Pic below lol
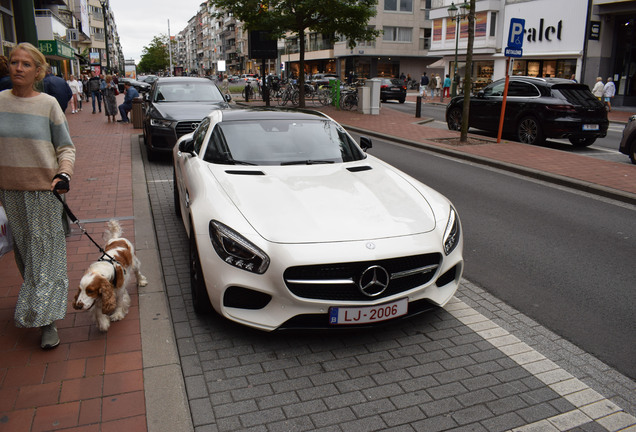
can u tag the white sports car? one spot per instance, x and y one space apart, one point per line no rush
293 225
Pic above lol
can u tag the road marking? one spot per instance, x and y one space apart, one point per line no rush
591 405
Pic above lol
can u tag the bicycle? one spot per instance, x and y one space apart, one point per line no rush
349 99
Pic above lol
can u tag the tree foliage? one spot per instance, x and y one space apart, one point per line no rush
155 57
345 19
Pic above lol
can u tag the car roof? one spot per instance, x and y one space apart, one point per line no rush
164 80
251 114
540 80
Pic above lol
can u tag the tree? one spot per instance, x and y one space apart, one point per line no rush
155 56
348 19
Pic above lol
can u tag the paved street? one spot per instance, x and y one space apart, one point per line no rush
476 364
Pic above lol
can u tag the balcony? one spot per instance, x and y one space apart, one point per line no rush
49 25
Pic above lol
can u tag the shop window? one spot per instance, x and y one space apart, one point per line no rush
493 24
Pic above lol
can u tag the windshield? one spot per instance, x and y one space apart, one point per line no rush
204 91
281 142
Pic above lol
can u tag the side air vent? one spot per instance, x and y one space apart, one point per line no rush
360 168
244 172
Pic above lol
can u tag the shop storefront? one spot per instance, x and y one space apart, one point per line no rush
60 56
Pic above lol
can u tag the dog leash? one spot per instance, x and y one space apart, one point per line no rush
76 221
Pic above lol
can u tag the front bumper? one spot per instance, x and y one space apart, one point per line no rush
268 303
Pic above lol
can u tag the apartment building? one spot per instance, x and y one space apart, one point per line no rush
74 35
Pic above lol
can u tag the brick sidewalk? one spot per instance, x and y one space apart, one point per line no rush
91 381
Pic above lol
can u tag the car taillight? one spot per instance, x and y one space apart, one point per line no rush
560 108
383 86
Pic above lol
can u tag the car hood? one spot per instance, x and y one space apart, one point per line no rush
326 203
185 110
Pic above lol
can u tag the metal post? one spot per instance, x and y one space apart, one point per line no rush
104 9
454 84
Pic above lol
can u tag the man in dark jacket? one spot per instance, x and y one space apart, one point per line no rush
58 88
93 89
131 93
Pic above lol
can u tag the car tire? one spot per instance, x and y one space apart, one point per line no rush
200 298
402 100
175 194
454 119
582 141
632 152
529 131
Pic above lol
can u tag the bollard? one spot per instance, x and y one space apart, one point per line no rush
418 107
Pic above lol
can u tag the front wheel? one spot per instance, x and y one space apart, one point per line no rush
582 141
529 131
454 119
200 298
632 152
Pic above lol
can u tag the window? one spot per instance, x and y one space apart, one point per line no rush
522 89
398 5
199 134
425 38
398 34
7 29
493 23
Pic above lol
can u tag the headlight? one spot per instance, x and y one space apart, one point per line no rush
451 234
160 123
236 250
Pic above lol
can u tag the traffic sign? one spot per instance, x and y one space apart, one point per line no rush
515 36
513 52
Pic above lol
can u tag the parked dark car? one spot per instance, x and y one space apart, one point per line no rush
536 109
392 88
628 142
142 87
175 107
147 78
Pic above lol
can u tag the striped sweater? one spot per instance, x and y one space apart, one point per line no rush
35 143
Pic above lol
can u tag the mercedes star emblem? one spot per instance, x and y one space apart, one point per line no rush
373 281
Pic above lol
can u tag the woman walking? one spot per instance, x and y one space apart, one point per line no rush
109 91
598 88
38 157
75 89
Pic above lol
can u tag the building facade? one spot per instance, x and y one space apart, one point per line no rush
74 35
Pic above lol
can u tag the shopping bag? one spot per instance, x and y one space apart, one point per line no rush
6 244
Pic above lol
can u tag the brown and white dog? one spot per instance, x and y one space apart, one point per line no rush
104 283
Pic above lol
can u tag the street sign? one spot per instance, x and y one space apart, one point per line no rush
513 52
515 36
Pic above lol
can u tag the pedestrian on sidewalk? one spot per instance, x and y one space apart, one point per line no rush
57 87
5 79
608 93
598 88
424 80
432 85
75 90
447 86
109 91
438 88
38 156
93 90
126 107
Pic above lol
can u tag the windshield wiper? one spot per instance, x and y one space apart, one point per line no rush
237 162
307 162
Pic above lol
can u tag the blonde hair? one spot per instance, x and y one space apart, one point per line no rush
36 55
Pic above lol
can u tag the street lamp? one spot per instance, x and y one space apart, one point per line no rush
104 4
452 13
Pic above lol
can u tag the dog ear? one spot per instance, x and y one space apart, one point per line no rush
109 300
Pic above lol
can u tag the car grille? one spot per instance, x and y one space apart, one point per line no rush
186 127
339 281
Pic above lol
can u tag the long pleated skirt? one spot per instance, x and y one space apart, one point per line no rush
39 244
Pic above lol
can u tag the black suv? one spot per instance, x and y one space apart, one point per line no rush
174 107
536 109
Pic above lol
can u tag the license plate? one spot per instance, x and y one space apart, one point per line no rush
368 314
590 127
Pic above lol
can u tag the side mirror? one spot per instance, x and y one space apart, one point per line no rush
365 143
228 97
187 146
480 94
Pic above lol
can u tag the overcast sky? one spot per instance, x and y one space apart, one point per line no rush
138 21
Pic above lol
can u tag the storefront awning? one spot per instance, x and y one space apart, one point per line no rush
439 64
57 50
